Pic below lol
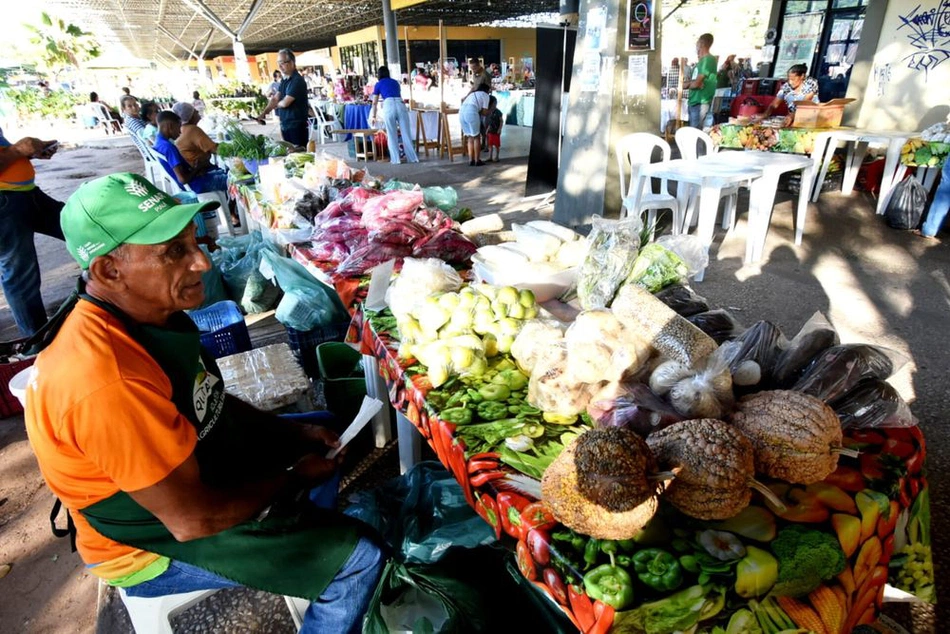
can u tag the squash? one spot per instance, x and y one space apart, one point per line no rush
796 437
714 466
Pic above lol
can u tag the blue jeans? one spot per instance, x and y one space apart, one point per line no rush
340 608
23 214
697 115
396 118
214 180
938 209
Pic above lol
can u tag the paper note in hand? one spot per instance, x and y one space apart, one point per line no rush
368 409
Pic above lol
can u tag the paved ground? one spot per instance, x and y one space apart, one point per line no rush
875 285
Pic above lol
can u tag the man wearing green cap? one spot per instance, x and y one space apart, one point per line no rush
162 473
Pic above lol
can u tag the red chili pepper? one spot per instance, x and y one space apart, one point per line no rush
914 486
605 618
903 495
525 563
486 455
485 506
582 607
887 549
482 478
866 436
537 515
539 546
557 588
871 465
510 506
454 458
474 466
915 463
897 448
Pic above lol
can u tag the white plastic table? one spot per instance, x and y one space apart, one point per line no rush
858 142
762 194
710 175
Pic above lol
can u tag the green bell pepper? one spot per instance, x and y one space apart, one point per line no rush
591 551
513 379
609 584
658 569
491 410
492 392
456 415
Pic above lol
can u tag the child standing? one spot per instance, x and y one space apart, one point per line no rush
493 123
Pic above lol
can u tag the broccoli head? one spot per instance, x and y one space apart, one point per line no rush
806 557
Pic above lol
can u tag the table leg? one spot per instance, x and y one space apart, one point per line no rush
927 177
763 193
376 388
829 152
892 170
686 197
855 158
410 443
822 141
708 206
808 174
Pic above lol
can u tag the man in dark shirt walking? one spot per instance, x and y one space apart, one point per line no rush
290 102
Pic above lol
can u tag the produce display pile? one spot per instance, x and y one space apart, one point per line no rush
657 466
928 150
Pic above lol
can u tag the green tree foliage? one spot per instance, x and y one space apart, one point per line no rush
61 44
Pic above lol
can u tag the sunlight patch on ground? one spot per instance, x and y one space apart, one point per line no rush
890 257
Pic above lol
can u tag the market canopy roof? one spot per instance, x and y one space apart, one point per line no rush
160 30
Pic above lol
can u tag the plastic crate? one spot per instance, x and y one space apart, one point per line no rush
10 404
304 344
223 329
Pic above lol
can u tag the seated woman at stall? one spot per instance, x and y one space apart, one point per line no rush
797 88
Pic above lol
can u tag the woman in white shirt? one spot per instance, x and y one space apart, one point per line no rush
473 107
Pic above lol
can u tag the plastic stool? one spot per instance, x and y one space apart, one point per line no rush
153 615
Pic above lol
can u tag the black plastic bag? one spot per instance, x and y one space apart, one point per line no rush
761 342
682 299
840 368
718 324
816 336
872 403
907 204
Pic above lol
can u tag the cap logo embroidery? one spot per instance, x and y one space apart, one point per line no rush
89 249
136 188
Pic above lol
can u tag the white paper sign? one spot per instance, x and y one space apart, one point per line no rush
368 409
378 284
637 75
590 72
595 37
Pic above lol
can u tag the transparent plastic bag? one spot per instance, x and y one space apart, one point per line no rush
599 348
683 300
657 267
702 393
445 198
638 408
419 279
816 336
840 368
552 388
213 283
762 342
536 337
689 248
872 403
613 248
539 245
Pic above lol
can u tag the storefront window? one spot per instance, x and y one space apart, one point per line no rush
805 6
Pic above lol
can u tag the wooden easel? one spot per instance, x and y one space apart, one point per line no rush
445 135
421 140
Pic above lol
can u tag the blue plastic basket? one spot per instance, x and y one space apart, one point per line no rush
304 344
223 329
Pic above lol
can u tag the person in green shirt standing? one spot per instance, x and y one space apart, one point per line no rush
702 85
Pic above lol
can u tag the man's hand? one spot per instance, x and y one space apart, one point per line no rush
29 147
315 434
313 468
49 149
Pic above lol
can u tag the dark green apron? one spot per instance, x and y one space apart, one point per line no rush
294 552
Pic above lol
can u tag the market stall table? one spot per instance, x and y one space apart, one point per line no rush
356 117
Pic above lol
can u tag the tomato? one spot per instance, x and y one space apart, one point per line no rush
539 546
537 515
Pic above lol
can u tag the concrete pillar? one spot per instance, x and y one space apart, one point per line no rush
604 105
392 40
240 62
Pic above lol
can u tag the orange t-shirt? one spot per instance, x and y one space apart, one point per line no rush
18 175
100 419
194 144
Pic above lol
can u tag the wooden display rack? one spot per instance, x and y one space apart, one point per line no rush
446 145
421 141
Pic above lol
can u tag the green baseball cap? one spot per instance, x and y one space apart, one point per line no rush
122 209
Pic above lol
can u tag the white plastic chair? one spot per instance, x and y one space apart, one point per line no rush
634 150
153 170
689 140
154 615
322 125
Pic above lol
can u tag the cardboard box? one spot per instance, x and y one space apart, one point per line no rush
819 115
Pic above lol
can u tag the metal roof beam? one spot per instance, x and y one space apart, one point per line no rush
169 35
251 14
210 16
204 49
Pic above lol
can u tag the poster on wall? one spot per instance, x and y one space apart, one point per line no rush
800 36
640 25
637 75
595 34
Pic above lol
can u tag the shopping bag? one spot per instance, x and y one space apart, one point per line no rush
906 205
